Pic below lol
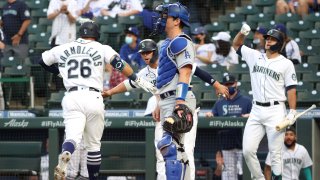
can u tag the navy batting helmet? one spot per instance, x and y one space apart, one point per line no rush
280 39
149 45
89 30
176 10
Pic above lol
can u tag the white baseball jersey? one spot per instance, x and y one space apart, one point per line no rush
292 50
81 63
269 77
229 60
293 161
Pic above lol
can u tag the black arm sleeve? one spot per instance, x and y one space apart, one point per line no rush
204 76
53 69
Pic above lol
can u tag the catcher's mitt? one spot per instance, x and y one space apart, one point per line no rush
181 120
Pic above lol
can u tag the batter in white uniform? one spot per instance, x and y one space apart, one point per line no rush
272 76
295 158
81 65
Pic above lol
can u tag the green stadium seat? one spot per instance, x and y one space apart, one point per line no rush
299 25
269 9
284 18
247 10
317 25
267 24
309 50
38 13
235 27
245 78
44 21
302 41
124 100
20 158
310 34
10 61
231 18
311 77
304 85
133 20
239 68
315 42
304 68
314 60
208 99
36 28
215 27
123 157
306 98
37 4
16 71
312 17
261 17
110 34
104 20
144 98
55 100
263 3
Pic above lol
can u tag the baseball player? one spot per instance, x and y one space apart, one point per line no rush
81 64
294 158
149 53
272 77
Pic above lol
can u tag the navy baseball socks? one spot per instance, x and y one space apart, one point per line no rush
93 164
67 149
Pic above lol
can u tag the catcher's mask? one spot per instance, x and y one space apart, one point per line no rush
176 10
181 120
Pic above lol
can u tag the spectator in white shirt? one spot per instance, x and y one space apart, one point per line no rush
122 8
204 50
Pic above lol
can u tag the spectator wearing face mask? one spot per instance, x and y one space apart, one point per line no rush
129 53
223 53
229 158
258 39
204 50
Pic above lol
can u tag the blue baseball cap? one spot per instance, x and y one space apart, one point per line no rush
199 30
228 78
281 27
262 30
132 30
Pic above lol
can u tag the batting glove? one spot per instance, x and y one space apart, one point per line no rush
146 85
245 29
290 116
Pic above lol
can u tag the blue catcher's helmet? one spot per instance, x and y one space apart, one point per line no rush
176 10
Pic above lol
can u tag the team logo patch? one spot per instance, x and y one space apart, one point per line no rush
294 77
26 13
118 65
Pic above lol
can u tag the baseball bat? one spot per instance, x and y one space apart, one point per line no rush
286 122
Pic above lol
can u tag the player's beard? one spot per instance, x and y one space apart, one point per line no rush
289 145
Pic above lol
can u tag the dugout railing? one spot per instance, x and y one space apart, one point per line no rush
307 130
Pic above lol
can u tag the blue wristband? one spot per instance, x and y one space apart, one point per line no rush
181 91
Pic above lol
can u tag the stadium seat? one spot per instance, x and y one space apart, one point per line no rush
245 78
263 3
317 25
311 77
239 68
304 86
208 99
144 98
124 100
104 20
36 28
310 34
312 17
302 41
269 9
299 25
315 42
127 21
110 34
231 18
37 4
267 24
314 60
10 61
44 21
215 27
304 68
247 10
309 50
306 98
16 71
284 18
261 17
38 13
55 100
20 158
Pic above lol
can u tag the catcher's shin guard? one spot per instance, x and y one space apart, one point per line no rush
175 169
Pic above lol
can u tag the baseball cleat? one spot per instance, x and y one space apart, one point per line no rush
61 169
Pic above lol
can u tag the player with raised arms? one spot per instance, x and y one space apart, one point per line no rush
81 64
272 76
